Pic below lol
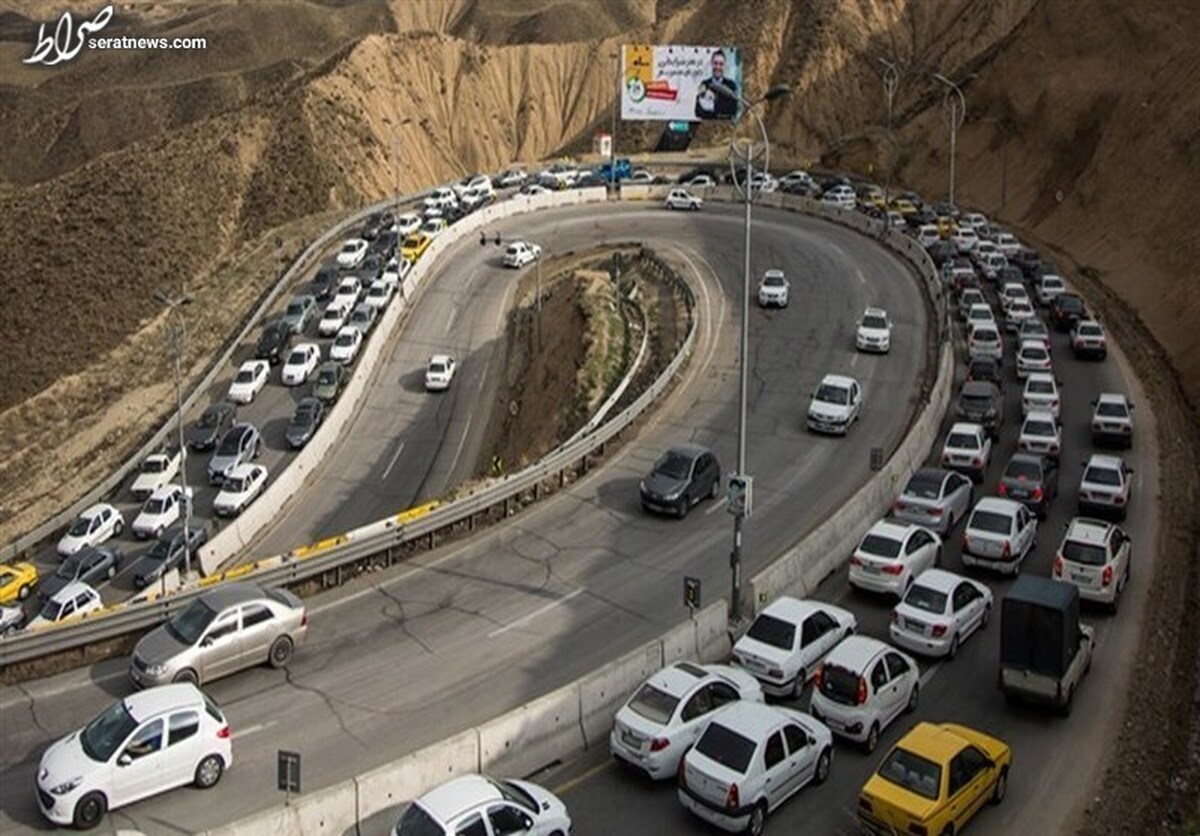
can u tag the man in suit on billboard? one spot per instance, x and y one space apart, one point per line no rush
714 104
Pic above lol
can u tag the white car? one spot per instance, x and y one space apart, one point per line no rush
749 761
441 198
559 176
1112 420
433 227
788 640
242 484
72 601
773 289
682 199
968 299
520 253
763 182
701 181
1041 394
835 405
928 235
1034 356
841 196
891 554
396 271
142 745
439 372
1049 286
352 253
975 220
1087 339
985 341
346 344
939 612
11 620
473 183
1000 534
934 498
983 249
348 291
1095 556
334 317
511 177
795 178
474 805
965 239
874 331
1008 244
981 314
380 292
1011 292
968 449
992 264
1106 486
406 224
93 527
162 510
301 362
863 686
249 381
157 469
1017 313
363 318
667 714
1040 433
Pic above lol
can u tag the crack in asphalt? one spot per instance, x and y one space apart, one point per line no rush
401 618
33 713
330 703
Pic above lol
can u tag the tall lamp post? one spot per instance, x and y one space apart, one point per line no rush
175 306
891 80
739 509
956 110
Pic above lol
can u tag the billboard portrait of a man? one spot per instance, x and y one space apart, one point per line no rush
714 104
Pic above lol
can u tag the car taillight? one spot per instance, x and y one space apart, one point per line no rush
1054 403
774 672
1126 429
966 542
304 619
854 561
935 512
893 569
939 630
224 733
895 617
1106 576
945 457
1002 489
1118 500
1007 549
1053 446
898 505
732 798
658 744
1058 565
976 461
861 697
817 678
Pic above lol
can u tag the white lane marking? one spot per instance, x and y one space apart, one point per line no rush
392 463
450 321
462 439
66 687
861 278
854 359
717 506
929 674
249 730
525 619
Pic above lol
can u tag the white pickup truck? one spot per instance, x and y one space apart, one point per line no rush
157 470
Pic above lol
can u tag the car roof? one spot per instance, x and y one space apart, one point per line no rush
965 427
458 795
1043 377
241 470
1040 415
1034 342
997 505
787 608
231 594
939 580
151 702
164 490
980 387
855 652
1104 460
1088 530
690 450
751 719
95 509
1112 397
838 380
891 529
71 590
932 742
874 312
679 678
1030 458
439 358
938 473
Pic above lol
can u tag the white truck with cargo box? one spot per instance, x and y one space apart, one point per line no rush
1045 650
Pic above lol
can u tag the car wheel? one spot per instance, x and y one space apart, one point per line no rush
281 652
953 647
914 698
948 830
823 762
209 771
758 819
186 675
23 592
89 810
683 507
872 741
716 489
1116 602
798 685
112 572
119 528
1001 788
987 615
1065 708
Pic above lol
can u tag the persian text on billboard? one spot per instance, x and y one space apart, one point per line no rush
680 83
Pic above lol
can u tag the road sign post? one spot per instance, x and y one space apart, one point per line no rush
289 774
691 594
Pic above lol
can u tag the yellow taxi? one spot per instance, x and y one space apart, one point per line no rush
17 580
934 780
414 246
872 196
904 206
946 226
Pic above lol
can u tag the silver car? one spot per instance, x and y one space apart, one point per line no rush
232 627
239 445
934 498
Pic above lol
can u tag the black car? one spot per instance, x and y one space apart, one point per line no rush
799 187
921 217
589 179
985 369
385 243
1032 480
371 267
1009 273
167 554
1025 260
274 343
324 283
91 564
981 402
371 227
211 425
1065 310
309 414
681 478
942 252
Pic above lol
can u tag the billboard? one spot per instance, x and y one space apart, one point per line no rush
677 83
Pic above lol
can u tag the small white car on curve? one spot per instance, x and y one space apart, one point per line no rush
773 289
1000 534
939 612
301 362
162 510
1105 487
92 527
862 687
353 251
840 196
346 344
1112 420
835 405
74 600
380 292
874 332
242 484
667 714
348 291
407 224
249 381
1095 556
788 640
519 253
439 372
157 469
682 199
891 554
334 317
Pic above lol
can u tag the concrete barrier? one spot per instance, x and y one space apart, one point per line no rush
328 812
603 692
401 781
712 632
532 736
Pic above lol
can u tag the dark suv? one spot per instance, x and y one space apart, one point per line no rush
980 402
1031 479
1065 310
681 478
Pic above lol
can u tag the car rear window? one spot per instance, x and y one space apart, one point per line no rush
1086 553
924 598
1040 387
653 704
773 631
879 546
991 522
726 747
963 441
912 772
839 684
1102 476
1021 469
1037 427
924 486
416 822
1111 410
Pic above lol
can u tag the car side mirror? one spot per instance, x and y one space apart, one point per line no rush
526 823
207 641
812 741
125 759
1130 470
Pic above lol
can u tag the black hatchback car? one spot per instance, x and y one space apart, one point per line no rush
308 416
324 283
985 369
167 554
211 425
682 477
274 343
1032 480
1065 310
91 564
980 402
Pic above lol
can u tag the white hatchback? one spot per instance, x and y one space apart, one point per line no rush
1040 433
1033 356
939 612
671 709
1041 393
968 449
788 640
1095 556
985 341
1000 534
682 199
475 805
94 526
863 686
891 554
142 745
301 362
74 600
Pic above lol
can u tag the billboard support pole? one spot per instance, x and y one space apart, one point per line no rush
612 140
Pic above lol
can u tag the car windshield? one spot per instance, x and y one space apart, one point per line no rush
976 398
350 247
990 522
298 358
1023 469
345 340
839 684
327 378
924 486
655 705
101 737
726 747
69 568
773 631
912 772
235 484
230 444
963 441
80 527
1040 387
416 822
1069 303
1036 426
877 545
210 418
1086 553
159 552
985 335
924 598
876 322
157 505
295 309
245 376
189 625
1090 330
1102 476
1112 410
770 280
1052 284
833 394
1034 352
514 793
674 466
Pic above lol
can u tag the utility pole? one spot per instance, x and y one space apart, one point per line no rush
956 109
891 80
174 306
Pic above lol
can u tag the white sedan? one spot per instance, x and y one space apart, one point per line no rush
334 317
348 292
380 292
407 224
157 470
968 449
787 641
835 405
301 362
1040 433
346 344
439 372
1033 356
242 484
249 381
441 198
939 612
433 227
93 527
162 510
773 289
671 709
1041 393
874 331
1000 533
352 253
520 253
891 554
682 199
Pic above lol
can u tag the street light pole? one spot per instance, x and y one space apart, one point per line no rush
956 106
891 80
174 306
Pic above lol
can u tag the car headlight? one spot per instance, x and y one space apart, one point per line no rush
66 786
155 670
674 495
